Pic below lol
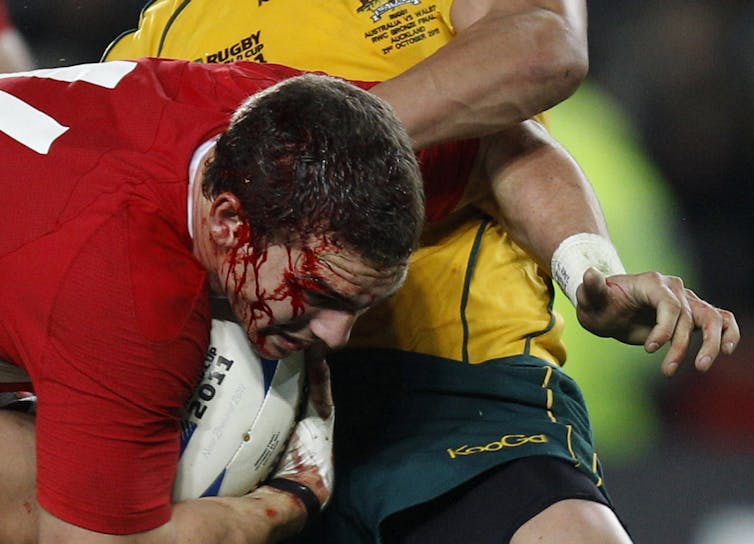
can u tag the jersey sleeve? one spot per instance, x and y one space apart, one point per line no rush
125 48
143 41
446 169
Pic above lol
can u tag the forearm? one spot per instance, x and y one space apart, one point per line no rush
509 61
264 516
542 194
268 514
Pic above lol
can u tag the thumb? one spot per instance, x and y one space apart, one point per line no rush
320 392
593 292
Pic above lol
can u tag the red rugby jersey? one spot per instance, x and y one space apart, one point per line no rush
101 300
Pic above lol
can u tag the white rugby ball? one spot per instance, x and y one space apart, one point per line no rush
239 418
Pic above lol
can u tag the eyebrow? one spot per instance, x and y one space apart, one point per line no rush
325 291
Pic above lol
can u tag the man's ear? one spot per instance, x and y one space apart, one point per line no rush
225 220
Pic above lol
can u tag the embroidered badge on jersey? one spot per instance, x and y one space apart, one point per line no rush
392 25
247 48
400 23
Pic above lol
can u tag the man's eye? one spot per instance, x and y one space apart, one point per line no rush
320 300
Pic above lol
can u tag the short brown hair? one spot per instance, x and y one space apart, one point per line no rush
316 155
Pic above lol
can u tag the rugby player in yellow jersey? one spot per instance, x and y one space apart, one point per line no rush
456 423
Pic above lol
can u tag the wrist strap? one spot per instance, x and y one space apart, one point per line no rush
304 494
577 253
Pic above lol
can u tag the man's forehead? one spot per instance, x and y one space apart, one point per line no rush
346 270
354 268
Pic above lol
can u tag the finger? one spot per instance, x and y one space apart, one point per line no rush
320 392
680 322
653 292
720 333
731 333
316 352
710 321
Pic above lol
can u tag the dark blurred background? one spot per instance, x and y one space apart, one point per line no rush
664 127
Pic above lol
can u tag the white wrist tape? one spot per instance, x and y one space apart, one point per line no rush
310 447
579 252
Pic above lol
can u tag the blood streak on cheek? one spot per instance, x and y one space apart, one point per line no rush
292 288
297 281
244 263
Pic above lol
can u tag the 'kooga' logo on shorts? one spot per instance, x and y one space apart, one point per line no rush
507 441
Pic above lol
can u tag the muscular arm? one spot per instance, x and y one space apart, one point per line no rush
510 60
543 197
273 515
542 194
264 516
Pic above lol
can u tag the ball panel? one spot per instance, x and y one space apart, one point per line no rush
238 421
268 434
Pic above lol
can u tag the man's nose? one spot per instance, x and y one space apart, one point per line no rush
333 327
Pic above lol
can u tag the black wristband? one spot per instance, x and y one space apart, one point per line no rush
306 495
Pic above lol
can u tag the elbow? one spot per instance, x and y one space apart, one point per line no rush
564 71
571 66
559 60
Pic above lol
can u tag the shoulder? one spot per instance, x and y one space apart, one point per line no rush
167 284
446 169
144 40
135 277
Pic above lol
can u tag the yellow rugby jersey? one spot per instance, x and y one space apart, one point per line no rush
471 294
358 39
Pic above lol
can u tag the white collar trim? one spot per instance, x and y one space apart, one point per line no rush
196 160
